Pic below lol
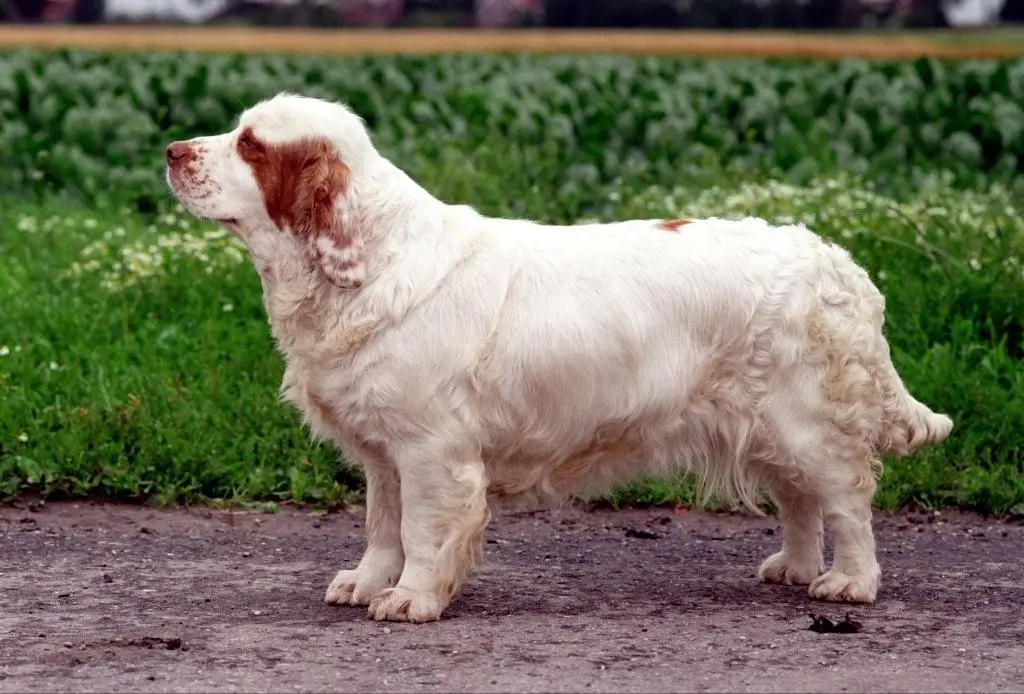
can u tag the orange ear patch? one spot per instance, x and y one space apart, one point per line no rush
336 248
301 183
673 224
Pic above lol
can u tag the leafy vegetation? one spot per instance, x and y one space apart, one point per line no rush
96 124
135 358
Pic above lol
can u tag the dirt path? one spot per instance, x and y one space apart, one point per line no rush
424 41
100 598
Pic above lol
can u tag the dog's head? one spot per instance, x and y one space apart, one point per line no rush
284 175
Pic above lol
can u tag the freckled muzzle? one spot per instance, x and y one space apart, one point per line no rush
183 171
190 182
181 160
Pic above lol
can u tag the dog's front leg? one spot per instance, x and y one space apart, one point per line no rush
383 560
444 513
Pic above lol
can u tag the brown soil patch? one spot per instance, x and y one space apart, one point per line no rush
427 41
112 598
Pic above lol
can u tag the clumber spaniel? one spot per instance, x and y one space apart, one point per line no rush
458 358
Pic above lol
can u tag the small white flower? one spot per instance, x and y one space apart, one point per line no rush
4 350
54 366
23 437
228 308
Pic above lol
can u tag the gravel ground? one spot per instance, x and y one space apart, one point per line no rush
105 597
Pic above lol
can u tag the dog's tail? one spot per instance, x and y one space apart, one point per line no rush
909 424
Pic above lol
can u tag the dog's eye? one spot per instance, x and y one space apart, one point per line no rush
248 145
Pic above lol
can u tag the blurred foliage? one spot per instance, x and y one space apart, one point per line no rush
93 125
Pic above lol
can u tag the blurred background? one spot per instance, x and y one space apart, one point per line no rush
710 14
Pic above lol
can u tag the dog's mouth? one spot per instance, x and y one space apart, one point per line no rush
183 190
232 225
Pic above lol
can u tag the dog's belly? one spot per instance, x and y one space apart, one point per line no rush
613 455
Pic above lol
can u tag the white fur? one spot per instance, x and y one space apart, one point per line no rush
501 358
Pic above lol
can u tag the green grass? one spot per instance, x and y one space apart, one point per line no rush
137 362
162 388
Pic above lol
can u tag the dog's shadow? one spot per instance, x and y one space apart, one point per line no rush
609 593
604 594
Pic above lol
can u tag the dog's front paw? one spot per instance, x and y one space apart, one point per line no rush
377 571
400 604
789 571
840 587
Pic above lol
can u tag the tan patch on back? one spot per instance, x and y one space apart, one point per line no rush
673 224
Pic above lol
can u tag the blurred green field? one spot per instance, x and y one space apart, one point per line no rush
135 358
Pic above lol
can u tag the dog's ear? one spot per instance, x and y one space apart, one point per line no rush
332 243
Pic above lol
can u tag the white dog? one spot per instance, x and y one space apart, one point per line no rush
456 357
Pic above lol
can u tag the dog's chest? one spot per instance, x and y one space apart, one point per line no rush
323 399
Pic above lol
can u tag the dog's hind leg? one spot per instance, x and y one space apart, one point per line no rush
800 560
